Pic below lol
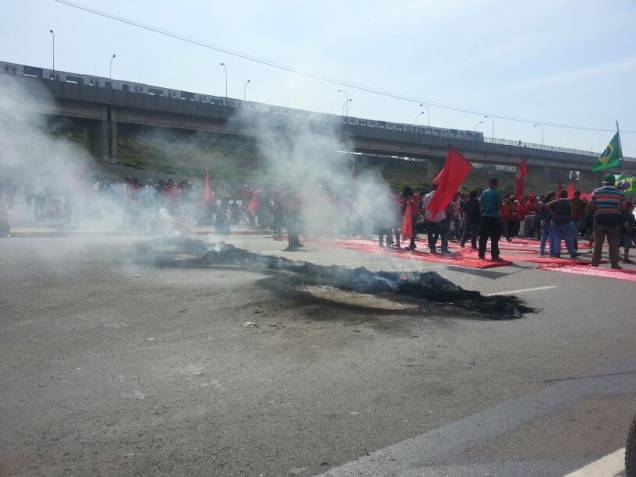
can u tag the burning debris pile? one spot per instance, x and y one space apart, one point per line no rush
428 286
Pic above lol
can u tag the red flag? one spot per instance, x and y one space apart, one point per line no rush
407 221
207 193
559 188
519 180
570 191
448 181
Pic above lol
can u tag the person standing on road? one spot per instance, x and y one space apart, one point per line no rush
562 225
472 219
545 224
578 215
607 220
409 216
437 225
490 224
628 227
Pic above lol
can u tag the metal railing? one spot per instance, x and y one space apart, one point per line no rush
543 147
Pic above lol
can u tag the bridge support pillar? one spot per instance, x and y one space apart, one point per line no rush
99 137
104 136
112 136
432 169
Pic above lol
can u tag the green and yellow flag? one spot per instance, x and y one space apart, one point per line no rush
625 183
611 157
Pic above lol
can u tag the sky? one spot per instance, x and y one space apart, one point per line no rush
556 61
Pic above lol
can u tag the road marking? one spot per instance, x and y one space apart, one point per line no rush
609 466
522 290
421 455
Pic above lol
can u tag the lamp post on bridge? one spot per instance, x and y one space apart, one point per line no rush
225 69
477 124
53 38
428 114
541 127
345 106
110 70
492 126
245 88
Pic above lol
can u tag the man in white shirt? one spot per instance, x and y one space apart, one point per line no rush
436 225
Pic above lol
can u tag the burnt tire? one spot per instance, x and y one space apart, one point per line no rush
630 451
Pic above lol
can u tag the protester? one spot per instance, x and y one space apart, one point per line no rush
39 190
292 207
607 220
545 224
472 219
628 229
506 215
437 225
562 225
409 215
490 222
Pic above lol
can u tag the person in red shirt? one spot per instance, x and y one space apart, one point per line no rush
506 215
520 216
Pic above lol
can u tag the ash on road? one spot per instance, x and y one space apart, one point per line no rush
109 367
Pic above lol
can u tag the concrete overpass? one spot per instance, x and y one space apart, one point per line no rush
103 107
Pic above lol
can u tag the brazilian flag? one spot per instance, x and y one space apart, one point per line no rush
611 157
625 183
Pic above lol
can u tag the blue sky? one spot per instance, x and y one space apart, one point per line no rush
560 61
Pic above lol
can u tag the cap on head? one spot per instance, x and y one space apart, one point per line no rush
609 179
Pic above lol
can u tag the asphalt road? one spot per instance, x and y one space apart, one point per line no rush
109 367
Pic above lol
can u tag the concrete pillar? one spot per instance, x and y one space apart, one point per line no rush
112 139
99 137
433 168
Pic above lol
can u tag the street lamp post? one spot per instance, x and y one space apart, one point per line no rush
428 114
245 88
477 124
541 127
110 70
492 126
346 103
53 37
225 69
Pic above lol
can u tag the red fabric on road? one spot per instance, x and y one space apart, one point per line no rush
457 258
629 275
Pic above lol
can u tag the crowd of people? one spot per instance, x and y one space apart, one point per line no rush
485 217
471 217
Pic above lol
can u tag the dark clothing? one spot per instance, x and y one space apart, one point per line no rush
544 215
612 232
472 211
578 209
471 229
562 211
490 229
438 230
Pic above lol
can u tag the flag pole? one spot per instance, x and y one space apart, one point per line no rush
620 145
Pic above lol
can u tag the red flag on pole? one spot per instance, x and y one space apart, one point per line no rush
448 181
570 191
520 179
207 193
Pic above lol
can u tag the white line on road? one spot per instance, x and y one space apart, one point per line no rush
609 466
522 290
